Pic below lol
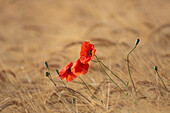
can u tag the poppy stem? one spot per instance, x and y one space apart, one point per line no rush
86 85
108 75
111 71
129 69
161 78
137 42
48 74
72 89
64 83
55 86
88 88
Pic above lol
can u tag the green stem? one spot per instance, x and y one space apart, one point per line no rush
66 88
75 95
162 81
88 88
129 69
111 72
55 85
72 89
53 81
65 85
108 75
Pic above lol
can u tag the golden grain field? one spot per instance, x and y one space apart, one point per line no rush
35 31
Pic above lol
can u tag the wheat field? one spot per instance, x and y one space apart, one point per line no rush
32 32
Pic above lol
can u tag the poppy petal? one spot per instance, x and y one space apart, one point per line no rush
80 68
65 70
85 59
70 77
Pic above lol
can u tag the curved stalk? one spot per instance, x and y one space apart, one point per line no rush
129 69
89 89
108 75
161 79
111 71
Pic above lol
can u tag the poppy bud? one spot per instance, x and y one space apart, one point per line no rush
46 64
73 101
156 69
47 74
57 71
137 41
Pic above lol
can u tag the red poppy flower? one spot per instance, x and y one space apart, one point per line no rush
80 68
67 73
87 52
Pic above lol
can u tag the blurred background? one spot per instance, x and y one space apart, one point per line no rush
34 31
29 30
